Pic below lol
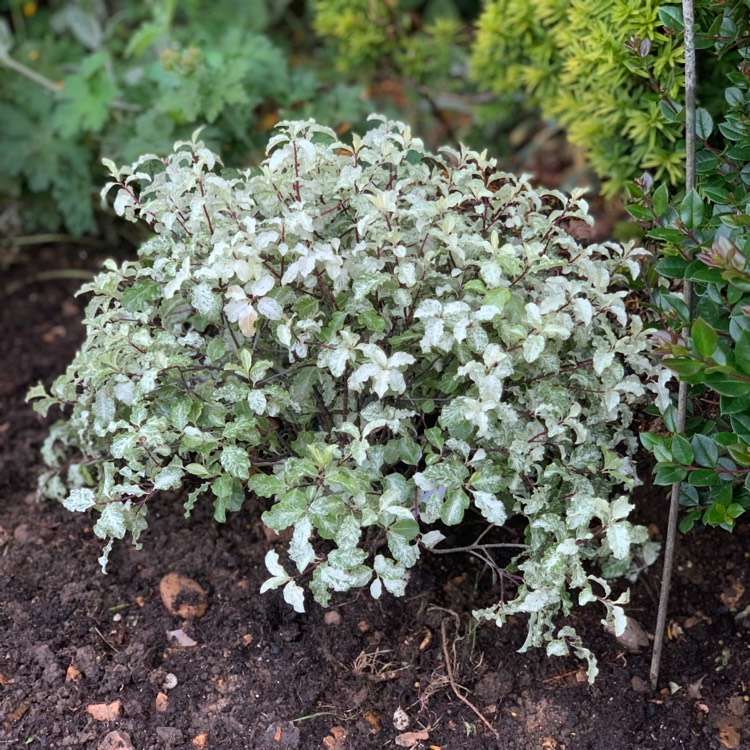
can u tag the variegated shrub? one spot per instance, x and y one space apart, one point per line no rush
375 341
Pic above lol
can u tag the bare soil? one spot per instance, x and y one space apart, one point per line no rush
86 660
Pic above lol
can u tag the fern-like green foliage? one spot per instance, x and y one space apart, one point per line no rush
580 62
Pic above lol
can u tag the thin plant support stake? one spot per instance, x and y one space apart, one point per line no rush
682 393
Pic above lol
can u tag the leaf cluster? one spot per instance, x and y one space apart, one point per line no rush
374 342
704 236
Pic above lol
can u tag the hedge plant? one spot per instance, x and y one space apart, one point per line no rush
704 237
373 343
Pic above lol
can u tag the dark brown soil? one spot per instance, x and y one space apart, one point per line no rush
261 676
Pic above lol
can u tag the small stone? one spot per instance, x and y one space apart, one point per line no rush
281 735
180 638
116 741
162 702
400 719
104 711
183 596
332 618
200 740
633 638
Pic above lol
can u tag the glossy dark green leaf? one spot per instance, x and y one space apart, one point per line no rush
729 386
735 510
672 18
651 439
688 521
682 451
734 96
689 495
739 454
640 213
672 266
703 478
667 474
699 271
660 200
704 124
705 162
666 234
742 352
741 426
683 367
729 405
706 451
407 528
704 338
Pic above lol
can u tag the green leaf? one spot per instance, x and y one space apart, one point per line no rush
435 436
742 352
452 511
682 366
672 18
735 510
688 521
489 479
672 267
661 200
286 512
372 321
667 474
345 479
706 450
640 213
265 485
407 528
198 470
705 338
734 96
170 477
704 124
136 297
728 386
682 451
703 478
651 439
691 209
229 499
741 426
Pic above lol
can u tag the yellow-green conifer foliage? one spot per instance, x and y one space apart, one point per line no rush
415 39
572 58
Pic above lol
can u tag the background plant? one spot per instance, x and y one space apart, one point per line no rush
576 62
81 79
704 239
379 340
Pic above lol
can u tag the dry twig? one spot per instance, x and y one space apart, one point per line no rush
452 680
